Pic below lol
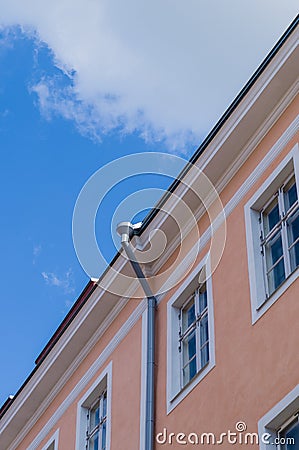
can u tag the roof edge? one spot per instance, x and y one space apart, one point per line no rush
220 122
82 299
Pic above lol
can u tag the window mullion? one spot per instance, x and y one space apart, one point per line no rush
280 445
181 350
101 408
284 234
100 437
263 252
88 421
197 332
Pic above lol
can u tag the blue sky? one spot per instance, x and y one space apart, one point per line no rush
67 111
44 165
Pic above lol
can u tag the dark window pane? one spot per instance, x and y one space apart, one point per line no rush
189 357
291 196
192 368
203 301
279 274
293 223
295 256
191 347
204 330
276 276
274 251
94 442
291 436
191 315
293 234
273 217
189 371
204 355
104 405
94 417
275 247
188 314
104 436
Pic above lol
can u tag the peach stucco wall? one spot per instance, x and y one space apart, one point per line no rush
253 362
256 365
125 382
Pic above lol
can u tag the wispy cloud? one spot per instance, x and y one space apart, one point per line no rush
166 70
36 252
65 282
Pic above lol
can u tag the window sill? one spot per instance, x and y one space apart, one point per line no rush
267 303
179 396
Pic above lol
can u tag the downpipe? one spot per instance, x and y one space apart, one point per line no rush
126 230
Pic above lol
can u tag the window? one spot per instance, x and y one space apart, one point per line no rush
190 334
96 429
272 235
288 434
279 236
194 334
52 444
279 428
94 414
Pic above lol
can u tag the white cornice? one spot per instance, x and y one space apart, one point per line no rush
230 173
248 101
206 158
257 138
273 153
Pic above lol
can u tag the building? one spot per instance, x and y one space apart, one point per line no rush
226 352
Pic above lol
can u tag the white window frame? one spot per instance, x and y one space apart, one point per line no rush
260 303
53 440
278 418
175 392
101 384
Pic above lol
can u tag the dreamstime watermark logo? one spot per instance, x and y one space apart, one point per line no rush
239 436
181 207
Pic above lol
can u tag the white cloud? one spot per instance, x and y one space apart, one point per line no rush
65 282
166 69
